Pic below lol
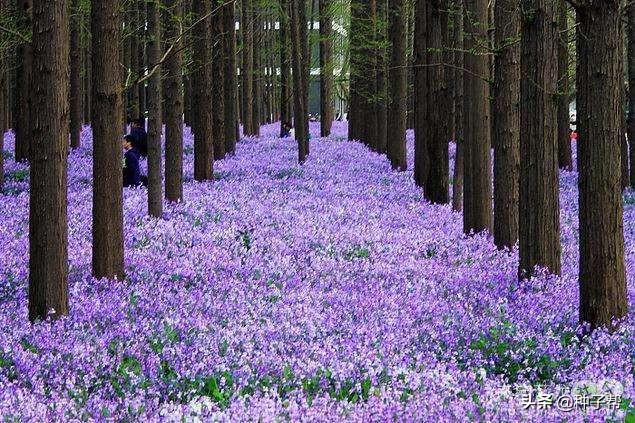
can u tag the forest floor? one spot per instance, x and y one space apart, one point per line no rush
323 292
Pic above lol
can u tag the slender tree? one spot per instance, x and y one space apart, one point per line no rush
135 66
457 42
326 68
88 74
218 82
477 188
48 226
23 87
431 101
76 95
247 69
256 75
230 85
202 78
631 91
381 83
506 129
396 132
285 65
603 294
174 105
564 142
155 190
106 120
300 59
539 225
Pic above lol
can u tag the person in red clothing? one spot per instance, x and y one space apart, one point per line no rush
574 135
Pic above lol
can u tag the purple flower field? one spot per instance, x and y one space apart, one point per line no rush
325 292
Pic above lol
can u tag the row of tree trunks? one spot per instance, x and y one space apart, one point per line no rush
505 134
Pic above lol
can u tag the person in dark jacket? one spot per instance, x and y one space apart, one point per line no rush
138 132
131 172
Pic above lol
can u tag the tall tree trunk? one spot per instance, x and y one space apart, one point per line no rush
506 130
230 83
539 225
300 59
4 103
362 120
247 71
142 61
603 294
432 101
381 102
256 114
218 70
135 68
23 89
477 189
396 130
285 66
48 226
203 137
564 140
76 95
174 106
326 68
457 42
107 167
88 77
155 124
631 90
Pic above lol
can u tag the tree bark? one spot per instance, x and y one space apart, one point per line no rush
477 188
76 95
603 294
381 84
23 88
202 79
155 124
142 61
564 140
88 77
174 106
457 179
285 66
506 133
257 34
107 165
326 68
247 67
230 83
218 71
135 68
396 130
631 91
300 59
539 225
431 101
48 226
